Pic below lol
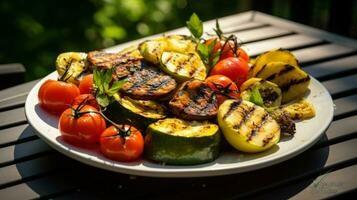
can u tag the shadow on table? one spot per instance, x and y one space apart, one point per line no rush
66 175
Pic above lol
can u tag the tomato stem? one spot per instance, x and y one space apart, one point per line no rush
225 90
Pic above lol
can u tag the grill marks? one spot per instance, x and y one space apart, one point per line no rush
293 82
105 60
287 69
194 100
148 83
251 121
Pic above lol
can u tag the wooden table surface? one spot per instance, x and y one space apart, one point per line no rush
30 169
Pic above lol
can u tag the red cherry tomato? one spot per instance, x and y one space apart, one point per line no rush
126 144
86 84
56 96
90 100
81 128
224 87
234 68
227 51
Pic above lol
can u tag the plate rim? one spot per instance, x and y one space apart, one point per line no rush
185 171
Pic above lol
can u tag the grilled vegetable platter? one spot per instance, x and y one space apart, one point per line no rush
178 99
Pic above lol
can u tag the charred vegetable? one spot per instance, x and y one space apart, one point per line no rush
105 60
287 125
272 56
139 113
74 64
292 81
247 127
300 110
183 67
261 92
194 100
152 50
178 142
148 83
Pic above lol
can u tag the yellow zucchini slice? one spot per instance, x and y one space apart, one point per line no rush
292 80
183 67
75 61
272 56
247 127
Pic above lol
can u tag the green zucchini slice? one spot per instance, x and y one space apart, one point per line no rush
178 142
183 67
139 113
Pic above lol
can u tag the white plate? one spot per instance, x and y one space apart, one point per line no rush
307 133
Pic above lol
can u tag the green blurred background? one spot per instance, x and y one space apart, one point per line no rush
35 32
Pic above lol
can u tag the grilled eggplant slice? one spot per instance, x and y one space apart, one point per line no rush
148 83
272 56
183 67
247 127
127 67
261 92
287 125
195 100
139 113
292 80
179 142
74 64
105 60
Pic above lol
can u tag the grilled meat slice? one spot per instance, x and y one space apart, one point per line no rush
148 83
195 101
105 60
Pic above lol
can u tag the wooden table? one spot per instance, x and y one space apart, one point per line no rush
29 168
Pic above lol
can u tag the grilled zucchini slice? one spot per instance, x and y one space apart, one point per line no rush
75 63
247 127
261 92
292 80
139 113
183 67
152 50
179 142
272 56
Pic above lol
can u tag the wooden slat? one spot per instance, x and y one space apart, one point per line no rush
340 130
16 134
235 185
12 117
329 69
15 101
286 42
9 93
229 29
31 168
321 52
41 187
260 34
345 105
18 152
325 186
340 85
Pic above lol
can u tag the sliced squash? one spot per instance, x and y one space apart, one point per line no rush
72 63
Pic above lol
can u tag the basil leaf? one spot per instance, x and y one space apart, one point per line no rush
211 46
195 26
255 97
115 87
203 50
102 100
97 78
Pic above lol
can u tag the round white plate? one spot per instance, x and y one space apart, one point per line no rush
307 133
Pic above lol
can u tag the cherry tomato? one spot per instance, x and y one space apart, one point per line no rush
86 84
56 96
234 68
122 144
227 51
224 87
89 98
80 127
